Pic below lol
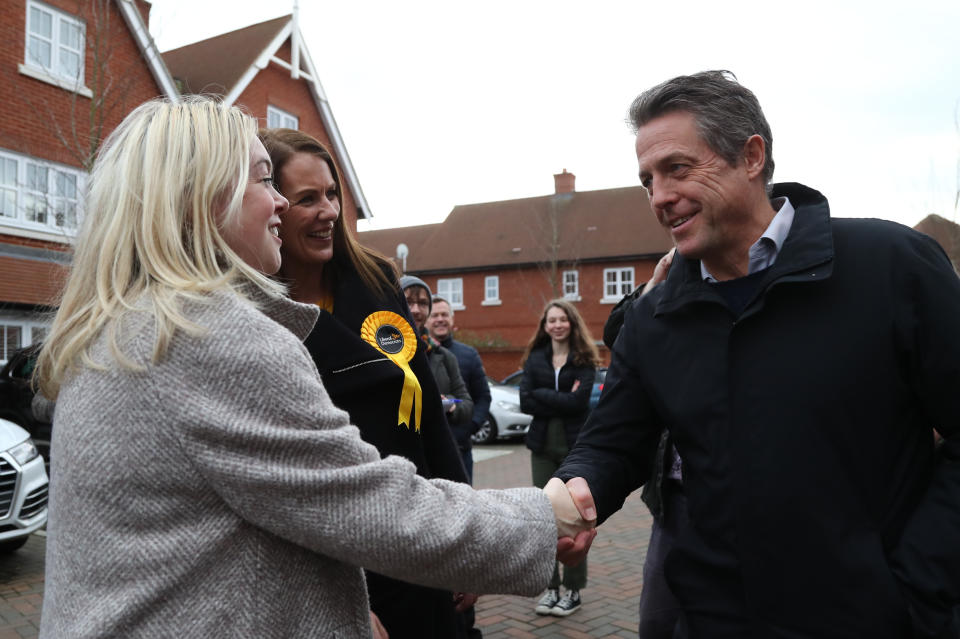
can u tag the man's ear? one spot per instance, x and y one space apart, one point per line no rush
754 155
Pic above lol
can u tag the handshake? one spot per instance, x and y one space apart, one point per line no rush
576 517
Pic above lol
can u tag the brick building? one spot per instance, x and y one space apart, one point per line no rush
500 262
70 70
267 69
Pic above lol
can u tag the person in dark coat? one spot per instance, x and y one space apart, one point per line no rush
663 495
800 363
559 366
440 324
367 351
446 373
444 366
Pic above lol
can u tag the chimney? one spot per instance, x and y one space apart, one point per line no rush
563 182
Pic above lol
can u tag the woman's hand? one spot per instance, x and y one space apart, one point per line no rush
660 270
379 632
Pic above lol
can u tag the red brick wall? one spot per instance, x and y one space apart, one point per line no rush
274 86
33 108
523 294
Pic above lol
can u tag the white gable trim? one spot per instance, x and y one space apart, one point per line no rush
320 98
148 49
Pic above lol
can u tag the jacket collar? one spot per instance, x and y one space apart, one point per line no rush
298 318
807 253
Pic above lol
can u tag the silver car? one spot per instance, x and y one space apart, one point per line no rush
505 418
23 487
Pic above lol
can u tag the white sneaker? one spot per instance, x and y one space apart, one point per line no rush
568 605
547 602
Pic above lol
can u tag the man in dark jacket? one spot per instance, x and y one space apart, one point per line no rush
440 324
800 363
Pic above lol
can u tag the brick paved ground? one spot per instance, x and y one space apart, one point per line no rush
613 581
21 590
610 599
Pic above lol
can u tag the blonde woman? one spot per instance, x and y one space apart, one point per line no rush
203 483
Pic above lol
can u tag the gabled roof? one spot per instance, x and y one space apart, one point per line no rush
588 226
148 49
216 65
945 232
228 63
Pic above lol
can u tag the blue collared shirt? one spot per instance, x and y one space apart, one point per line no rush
763 252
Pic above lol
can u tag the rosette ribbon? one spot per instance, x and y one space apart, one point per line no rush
393 336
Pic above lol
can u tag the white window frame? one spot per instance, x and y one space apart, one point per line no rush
280 119
491 291
27 325
571 286
621 284
451 289
55 72
57 207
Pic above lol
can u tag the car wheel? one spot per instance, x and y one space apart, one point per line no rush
12 545
487 433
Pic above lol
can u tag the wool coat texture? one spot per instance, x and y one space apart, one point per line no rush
219 493
819 506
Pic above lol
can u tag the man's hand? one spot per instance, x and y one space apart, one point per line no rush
464 601
576 517
379 632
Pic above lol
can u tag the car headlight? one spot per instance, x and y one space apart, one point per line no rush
509 406
24 452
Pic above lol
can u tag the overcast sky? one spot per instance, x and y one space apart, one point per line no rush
443 103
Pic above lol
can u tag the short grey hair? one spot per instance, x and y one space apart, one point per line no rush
726 112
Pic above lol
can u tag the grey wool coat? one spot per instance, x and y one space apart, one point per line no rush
219 493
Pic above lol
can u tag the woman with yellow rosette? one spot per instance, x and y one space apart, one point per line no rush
367 351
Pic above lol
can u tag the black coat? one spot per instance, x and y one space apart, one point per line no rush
805 423
471 369
538 397
363 382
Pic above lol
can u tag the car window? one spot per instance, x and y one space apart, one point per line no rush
513 379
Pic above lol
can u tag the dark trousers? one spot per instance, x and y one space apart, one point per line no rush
659 609
543 465
466 454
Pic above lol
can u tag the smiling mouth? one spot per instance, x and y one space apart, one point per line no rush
275 231
674 224
321 235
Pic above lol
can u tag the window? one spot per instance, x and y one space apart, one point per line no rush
55 43
17 331
571 285
280 119
617 282
452 291
491 290
38 195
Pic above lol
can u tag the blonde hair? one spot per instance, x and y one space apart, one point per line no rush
165 182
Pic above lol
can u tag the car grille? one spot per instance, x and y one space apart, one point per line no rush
34 503
8 486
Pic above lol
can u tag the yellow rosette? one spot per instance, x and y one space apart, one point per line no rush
390 334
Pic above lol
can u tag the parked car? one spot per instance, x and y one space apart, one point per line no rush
505 418
16 398
23 487
514 379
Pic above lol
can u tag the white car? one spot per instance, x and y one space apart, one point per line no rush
505 418
23 487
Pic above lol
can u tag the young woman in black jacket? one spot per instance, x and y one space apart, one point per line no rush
559 369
